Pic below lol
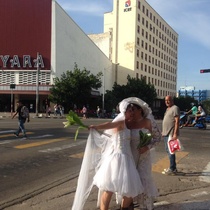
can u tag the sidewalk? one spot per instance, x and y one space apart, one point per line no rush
60 196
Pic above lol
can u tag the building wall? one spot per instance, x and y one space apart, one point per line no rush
143 44
72 46
26 30
40 30
199 95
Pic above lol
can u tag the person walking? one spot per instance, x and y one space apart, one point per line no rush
143 121
115 171
170 128
23 115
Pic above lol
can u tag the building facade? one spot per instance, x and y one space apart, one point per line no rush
39 45
199 95
142 43
43 42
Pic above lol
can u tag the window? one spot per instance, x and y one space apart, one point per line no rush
137 53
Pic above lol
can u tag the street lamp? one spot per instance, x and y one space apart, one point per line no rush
115 64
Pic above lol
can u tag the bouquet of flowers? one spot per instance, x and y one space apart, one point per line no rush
145 138
73 119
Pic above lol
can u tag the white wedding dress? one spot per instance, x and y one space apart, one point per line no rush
108 163
117 172
144 167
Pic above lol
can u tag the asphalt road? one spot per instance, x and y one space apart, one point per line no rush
51 157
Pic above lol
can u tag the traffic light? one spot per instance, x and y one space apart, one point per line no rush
205 71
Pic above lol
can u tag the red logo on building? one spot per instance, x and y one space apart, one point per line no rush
128 3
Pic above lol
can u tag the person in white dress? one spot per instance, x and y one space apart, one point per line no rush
108 164
143 119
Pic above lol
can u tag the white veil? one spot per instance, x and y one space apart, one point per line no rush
97 147
147 112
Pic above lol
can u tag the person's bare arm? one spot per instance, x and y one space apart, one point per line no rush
107 125
176 127
14 115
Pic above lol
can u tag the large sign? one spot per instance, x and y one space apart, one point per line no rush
25 62
25 30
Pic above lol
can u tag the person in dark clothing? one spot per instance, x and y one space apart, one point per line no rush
21 119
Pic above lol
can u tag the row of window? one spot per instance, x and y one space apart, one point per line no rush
155 20
158 53
154 40
155 72
157 62
26 78
156 32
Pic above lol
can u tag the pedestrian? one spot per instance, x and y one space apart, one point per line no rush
143 120
23 115
84 112
170 128
49 111
55 109
108 163
191 115
98 111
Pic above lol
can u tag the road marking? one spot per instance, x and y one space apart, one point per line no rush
8 131
206 174
199 194
36 144
164 162
78 155
42 136
49 150
11 134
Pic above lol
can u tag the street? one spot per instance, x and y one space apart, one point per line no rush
50 158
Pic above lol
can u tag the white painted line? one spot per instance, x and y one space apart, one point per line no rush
206 174
8 131
6 141
161 203
39 137
62 147
199 194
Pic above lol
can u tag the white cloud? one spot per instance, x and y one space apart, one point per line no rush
83 7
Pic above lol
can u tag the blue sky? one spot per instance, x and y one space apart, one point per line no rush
189 18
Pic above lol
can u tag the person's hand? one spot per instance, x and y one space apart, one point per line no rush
143 149
91 126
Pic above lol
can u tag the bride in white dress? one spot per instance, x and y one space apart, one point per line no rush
108 163
143 119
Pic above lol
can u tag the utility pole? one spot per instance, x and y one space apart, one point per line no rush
37 86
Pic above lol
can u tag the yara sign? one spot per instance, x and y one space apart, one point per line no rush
27 61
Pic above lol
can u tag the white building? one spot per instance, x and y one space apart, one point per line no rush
144 45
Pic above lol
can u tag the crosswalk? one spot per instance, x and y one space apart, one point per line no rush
7 137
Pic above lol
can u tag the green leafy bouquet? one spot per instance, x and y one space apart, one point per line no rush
145 138
73 119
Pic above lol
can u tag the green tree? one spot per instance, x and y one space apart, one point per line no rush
206 105
74 87
134 88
